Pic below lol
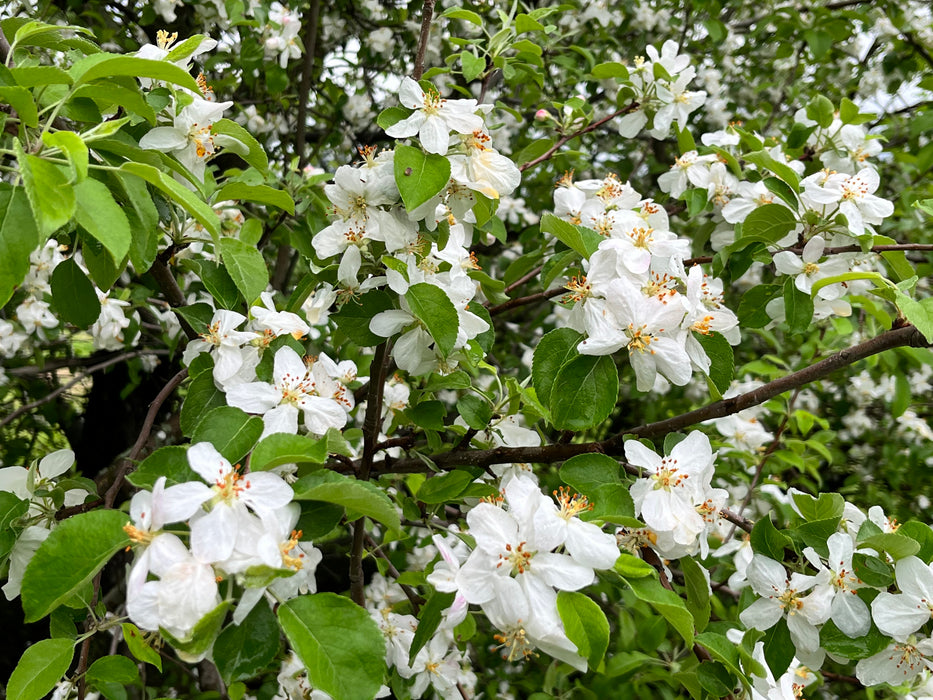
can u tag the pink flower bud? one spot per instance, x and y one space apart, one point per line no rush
542 115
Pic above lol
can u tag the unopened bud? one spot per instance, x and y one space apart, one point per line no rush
542 115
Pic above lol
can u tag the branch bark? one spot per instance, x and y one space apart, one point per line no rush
427 14
906 336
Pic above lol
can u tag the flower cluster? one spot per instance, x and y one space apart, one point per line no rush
239 523
636 294
514 572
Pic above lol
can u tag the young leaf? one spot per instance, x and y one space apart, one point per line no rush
246 267
42 665
584 392
338 642
433 307
362 497
73 295
585 624
18 238
68 559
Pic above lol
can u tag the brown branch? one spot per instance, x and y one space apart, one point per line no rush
523 301
52 366
569 137
525 278
173 294
548 454
427 14
371 424
304 89
111 495
65 387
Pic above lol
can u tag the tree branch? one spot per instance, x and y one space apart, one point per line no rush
370 437
905 336
65 387
569 137
427 14
304 89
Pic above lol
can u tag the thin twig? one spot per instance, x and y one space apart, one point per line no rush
65 387
427 14
111 495
569 137
523 301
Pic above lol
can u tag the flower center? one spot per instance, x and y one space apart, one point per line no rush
640 339
518 558
571 504
514 643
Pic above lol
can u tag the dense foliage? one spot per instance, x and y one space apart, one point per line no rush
371 349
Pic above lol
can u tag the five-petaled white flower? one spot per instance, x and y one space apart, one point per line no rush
434 118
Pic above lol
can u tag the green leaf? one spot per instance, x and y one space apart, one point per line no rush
202 213
256 193
763 159
246 266
112 669
779 648
722 650
42 665
170 461
362 497
86 70
585 624
216 280
338 642
428 621
419 175
798 307
584 392
73 295
472 65
34 76
143 218
103 218
610 69
670 605
919 313
255 154
698 593
242 651
553 351
445 487
436 311
465 15
18 238
138 646
769 223
892 543
391 115
203 395
630 566
475 411
872 571
69 143
826 506
230 430
106 94
722 360
922 533
752 306
68 559
578 238
20 99
833 640
51 197
598 477
821 110
767 540
354 317
281 448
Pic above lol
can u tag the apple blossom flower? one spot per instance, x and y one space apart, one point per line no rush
782 595
190 137
295 389
434 118
898 663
